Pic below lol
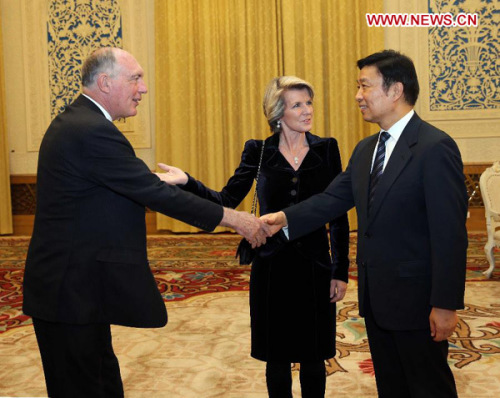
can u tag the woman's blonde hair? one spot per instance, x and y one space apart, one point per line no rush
274 103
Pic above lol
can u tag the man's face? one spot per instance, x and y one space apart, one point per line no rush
376 103
127 87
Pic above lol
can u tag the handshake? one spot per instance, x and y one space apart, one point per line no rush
255 230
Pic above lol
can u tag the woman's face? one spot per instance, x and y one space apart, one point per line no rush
299 111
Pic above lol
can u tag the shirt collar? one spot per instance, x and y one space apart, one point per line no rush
104 111
398 127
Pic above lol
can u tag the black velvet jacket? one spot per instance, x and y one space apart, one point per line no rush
280 186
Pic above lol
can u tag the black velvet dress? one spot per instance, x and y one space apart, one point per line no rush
292 318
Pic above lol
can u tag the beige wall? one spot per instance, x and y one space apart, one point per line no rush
24 27
477 134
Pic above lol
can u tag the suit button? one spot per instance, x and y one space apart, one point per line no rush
366 235
294 180
293 192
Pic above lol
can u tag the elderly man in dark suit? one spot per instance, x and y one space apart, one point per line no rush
408 188
87 263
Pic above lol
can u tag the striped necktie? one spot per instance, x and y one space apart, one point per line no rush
378 165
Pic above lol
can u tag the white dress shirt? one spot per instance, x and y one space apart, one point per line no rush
394 132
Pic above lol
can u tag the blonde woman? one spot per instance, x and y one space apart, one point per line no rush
294 285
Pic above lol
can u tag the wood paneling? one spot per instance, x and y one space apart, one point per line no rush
23 188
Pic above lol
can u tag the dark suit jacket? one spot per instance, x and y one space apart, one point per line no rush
87 260
280 186
412 246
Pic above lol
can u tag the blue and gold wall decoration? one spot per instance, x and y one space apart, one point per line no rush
74 29
464 62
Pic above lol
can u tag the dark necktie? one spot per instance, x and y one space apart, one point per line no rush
378 165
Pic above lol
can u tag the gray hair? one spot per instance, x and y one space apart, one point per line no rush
102 60
274 103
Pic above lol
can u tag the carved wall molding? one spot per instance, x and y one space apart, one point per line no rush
74 30
23 188
56 36
464 72
457 68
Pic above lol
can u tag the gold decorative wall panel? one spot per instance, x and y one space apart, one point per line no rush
458 70
463 62
43 68
459 75
74 30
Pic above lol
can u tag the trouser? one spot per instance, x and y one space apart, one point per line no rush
312 379
78 360
408 363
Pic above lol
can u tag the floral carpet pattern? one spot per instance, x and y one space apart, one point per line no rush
190 268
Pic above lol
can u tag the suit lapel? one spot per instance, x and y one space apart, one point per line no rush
400 157
312 159
273 158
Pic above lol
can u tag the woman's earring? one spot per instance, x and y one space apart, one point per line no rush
278 125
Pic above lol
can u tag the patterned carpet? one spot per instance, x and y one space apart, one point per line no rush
206 292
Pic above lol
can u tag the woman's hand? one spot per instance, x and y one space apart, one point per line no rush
173 175
337 290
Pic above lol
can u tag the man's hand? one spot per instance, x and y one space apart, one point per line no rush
276 221
337 290
173 175
247 225
443 323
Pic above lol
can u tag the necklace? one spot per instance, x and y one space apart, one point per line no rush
295 157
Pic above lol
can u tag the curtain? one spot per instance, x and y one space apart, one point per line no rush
215 57
5 203
213 60
322 40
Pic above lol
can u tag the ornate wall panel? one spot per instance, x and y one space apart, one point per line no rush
56 36
458 69
74 30
464 63
460 85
